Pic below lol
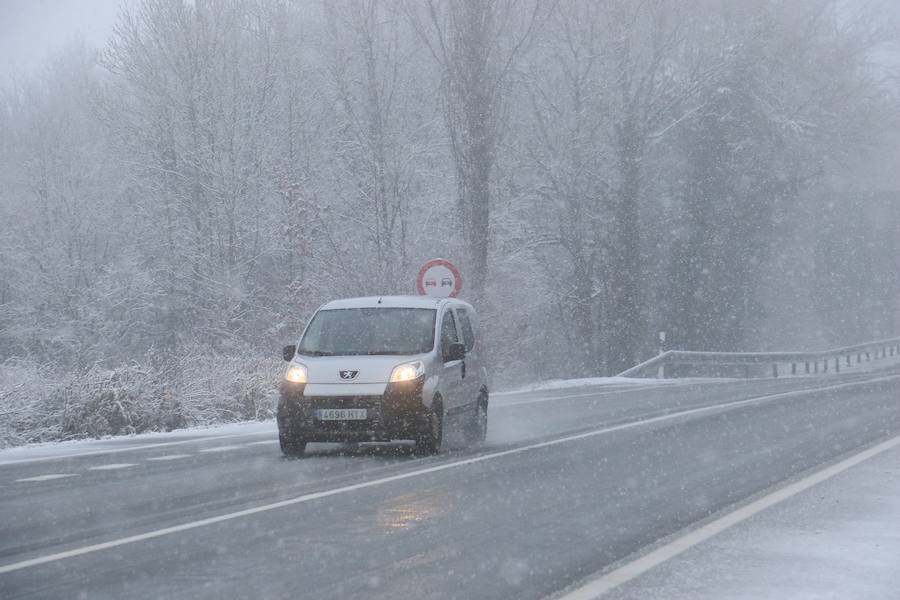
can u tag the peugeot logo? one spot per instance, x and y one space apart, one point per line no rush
349 374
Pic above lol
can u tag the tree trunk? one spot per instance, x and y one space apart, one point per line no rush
625 307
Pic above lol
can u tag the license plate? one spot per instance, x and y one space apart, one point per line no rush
341 414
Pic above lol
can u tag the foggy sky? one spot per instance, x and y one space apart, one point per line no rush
30 30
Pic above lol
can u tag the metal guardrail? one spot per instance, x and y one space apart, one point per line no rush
810 362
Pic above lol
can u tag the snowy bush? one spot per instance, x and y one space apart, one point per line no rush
215 389
40 404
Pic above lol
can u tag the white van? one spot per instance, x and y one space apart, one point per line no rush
382 369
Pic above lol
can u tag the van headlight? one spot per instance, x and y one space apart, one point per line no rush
407 371
296 373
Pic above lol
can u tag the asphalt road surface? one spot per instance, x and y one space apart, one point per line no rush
569 483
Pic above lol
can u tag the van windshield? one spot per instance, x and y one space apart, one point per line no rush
347 331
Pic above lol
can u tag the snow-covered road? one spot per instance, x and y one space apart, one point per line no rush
571 482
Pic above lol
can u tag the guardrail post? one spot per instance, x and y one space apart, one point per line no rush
807 367
858 357
793 368
837 364
815 366
825 366
775 370
848 361
868 356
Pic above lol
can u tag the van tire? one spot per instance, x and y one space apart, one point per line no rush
291 447
429 441
479 423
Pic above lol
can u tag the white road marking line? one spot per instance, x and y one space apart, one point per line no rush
609 388
112 467
170 457
220 449
48 477
613 579
582 395
262 443
129 448
625 391
412 474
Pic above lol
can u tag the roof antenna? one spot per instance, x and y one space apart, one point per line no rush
379 299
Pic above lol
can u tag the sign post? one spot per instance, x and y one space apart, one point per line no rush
439 278
661 372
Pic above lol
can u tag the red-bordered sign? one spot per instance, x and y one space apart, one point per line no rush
439 278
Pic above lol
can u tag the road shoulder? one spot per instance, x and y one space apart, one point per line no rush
839 539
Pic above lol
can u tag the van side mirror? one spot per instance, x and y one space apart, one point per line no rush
288 352
455 351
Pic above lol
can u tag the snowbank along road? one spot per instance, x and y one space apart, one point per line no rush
572 484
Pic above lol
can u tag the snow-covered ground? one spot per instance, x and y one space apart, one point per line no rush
561 384
230 430
784 370
91 446
837 540
143 440
557 384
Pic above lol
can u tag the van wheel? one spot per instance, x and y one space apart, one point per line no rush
480 420
290 446
429 441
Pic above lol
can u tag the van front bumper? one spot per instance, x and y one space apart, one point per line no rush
397 414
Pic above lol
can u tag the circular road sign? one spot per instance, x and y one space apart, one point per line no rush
439 278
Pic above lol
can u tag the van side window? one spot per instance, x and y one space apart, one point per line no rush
448 331
467 331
